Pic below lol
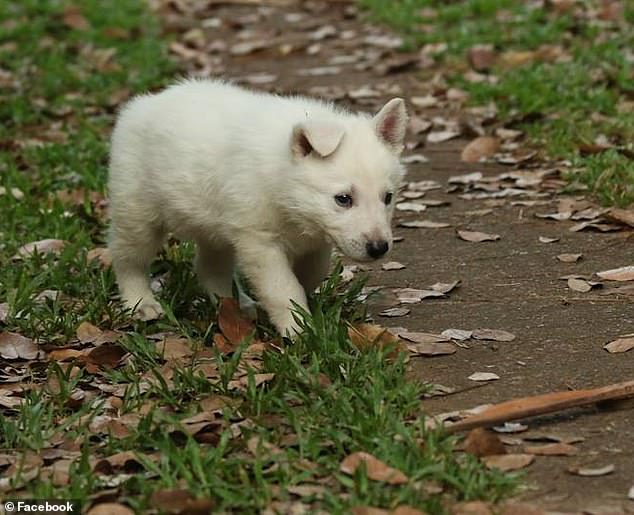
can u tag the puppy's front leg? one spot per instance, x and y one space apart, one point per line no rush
268 270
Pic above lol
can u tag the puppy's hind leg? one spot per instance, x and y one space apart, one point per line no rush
133 248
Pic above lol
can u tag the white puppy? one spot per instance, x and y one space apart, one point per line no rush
265 183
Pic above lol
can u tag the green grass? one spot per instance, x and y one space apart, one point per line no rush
327 399
572 103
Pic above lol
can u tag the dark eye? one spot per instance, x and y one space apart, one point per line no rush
388 198
343 200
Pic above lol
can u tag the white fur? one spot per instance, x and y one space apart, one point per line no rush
251 178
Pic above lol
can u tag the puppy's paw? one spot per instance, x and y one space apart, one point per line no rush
148 310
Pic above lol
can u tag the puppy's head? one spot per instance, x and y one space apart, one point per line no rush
349 172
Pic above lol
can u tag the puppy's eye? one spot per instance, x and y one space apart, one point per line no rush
343 200
388 198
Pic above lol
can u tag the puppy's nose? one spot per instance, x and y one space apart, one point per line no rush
376 249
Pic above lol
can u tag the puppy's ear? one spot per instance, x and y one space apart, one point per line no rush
320 137
390 124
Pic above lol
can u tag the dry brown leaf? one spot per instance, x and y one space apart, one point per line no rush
569 258
64 354
457 334
174 348
591 472
579 285
419 337
472 508
483 376
479 148
392 265
395 312
476 236
16 346
110 508
47 246
482 442
624 216
625 273
516 58
375 468
546 239
414 296
87 332
368 336
108 356
508 462
412 207
432 348
496 335
620 345
445 287
233 324
552 449
74 19
440 136
180 502
424 224
481 57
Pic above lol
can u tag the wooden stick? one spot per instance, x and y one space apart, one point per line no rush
542 404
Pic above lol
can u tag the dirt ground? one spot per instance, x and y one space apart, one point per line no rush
512 284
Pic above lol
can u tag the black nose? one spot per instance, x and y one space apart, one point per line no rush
376 249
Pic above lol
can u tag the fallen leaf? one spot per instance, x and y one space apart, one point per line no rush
418 337
174 348
108 356
414 158
497 335
472 508
630 493
180 502
508 462
414 296
87 332
392 265
579 285
477 237
552 449
432 348
483 376
16 346
232 323
445 287
48 246
569 258
620 345
424 224
546 239
468 178
624 216
481 57
625 273
440 136
591 472
482 442
413 207
74 19
395 312
368 336
375 468
480 148
457 334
